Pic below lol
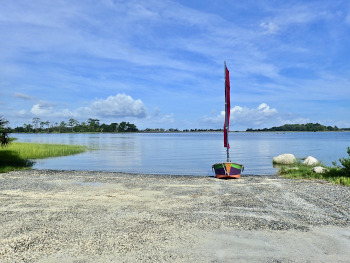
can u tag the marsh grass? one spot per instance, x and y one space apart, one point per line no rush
334 175
41 150
19 156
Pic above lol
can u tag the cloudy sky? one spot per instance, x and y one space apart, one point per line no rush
160 63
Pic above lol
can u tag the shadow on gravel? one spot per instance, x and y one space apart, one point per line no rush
10 160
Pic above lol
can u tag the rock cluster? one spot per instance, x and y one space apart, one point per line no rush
289 158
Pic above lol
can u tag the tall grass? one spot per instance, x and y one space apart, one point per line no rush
41 150
334 175
18 156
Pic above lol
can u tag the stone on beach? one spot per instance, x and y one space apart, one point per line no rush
319 170
286 158
310 161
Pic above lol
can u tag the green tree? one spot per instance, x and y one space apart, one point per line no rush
72 122
28 127
127 127
130 127
345 162
94 124
122 127
36 122
42 124
62 126
47 123
83 127
4 132
113 127
56 126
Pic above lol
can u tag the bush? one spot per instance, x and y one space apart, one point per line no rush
4 131
345 162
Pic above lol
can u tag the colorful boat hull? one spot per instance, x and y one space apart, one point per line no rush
228 170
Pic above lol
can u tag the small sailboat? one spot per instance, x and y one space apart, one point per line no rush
227 170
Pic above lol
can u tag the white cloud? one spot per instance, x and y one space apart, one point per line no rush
43 108
39 109
162 119
244 116
297 15
50 110
120 105
256 116
22 112
270 28
262 116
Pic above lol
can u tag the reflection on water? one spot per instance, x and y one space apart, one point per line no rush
188 153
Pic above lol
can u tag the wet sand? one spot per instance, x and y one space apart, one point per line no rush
80 216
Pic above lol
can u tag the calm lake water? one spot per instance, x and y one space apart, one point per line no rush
188 153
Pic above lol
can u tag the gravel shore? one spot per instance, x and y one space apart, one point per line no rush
81 216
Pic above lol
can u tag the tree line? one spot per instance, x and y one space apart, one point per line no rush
91 125
94 125
309 127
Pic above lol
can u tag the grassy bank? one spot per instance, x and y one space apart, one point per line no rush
334 175
19 156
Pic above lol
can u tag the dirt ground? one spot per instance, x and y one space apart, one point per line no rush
80 216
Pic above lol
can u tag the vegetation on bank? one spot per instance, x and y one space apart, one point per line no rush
338 174
92 125
44 150
4 131
20 156
309 127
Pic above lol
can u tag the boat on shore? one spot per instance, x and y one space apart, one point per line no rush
227 170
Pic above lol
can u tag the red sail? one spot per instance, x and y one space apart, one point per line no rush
228 106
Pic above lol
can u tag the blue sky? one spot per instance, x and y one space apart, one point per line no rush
160 64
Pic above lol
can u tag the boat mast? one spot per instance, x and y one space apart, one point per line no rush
226 118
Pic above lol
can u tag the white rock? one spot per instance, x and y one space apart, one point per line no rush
310 161
319 170
286 158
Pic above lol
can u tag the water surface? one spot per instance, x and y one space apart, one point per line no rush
188 153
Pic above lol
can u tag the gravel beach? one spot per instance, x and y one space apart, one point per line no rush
81 216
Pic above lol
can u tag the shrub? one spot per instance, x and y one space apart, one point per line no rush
4 131
345 162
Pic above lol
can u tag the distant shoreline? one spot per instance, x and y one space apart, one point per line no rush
141 132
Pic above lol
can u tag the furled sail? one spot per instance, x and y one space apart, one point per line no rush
227 107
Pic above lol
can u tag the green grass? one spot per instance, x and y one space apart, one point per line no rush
19 156
334 175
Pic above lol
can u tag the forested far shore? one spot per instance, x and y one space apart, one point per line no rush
91 125
94 125
309 127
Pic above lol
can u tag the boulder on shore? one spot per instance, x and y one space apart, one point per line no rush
286 158
310 161
319 170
